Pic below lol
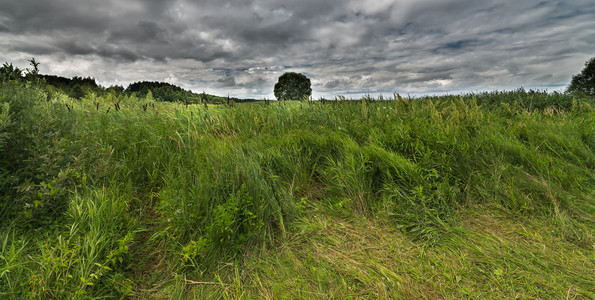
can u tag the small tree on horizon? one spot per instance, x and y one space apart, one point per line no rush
293 86
35 66
584 81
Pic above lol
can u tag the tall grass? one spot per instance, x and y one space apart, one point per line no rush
80 258
204 189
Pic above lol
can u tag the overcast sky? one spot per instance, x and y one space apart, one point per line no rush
346 47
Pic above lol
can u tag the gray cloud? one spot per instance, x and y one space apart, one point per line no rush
345 47
228 81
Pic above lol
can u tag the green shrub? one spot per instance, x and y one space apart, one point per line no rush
36 147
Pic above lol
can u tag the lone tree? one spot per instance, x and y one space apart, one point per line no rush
293 86
585 81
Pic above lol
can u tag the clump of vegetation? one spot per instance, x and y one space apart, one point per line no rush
162 91
293 86
584 82
481 196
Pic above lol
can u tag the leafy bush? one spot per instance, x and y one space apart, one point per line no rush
233 226
584 81
36 147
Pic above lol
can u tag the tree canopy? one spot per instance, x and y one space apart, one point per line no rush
162 91
293 86
584 81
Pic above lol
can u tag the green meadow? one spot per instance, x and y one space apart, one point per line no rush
487 196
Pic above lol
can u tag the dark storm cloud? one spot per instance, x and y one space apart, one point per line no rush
332 84
226 82
141 32
31 16
345 47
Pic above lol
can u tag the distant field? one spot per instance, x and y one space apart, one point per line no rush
485 196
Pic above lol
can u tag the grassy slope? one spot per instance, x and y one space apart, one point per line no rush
487 197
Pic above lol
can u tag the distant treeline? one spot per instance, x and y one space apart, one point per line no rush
163 91
78 87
